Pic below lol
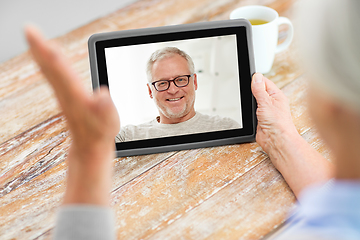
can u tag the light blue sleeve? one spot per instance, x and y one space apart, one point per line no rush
327 212
88 222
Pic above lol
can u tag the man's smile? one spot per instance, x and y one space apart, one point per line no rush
174 99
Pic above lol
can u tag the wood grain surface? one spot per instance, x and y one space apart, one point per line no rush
226 192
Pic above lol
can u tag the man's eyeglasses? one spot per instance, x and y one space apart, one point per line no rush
180 81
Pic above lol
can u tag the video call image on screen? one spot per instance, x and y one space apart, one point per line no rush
217 97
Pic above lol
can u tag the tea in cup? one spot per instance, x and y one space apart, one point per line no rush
265 23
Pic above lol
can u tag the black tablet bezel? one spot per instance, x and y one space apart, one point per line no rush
240 27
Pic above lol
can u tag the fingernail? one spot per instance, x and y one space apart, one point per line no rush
258 77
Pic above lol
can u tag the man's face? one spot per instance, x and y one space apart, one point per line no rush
176 102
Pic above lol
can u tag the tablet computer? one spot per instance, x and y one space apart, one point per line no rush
178 87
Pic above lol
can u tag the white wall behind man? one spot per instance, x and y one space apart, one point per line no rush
54 18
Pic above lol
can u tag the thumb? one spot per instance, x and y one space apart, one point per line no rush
258 87
102 101
102 96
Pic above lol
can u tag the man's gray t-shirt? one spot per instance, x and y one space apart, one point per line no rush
197 124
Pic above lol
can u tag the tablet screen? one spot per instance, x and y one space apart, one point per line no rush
179 87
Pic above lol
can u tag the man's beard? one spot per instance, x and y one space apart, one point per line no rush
167 112
170 114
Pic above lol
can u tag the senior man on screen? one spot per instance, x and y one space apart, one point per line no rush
172 85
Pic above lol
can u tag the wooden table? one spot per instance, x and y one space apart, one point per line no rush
227 192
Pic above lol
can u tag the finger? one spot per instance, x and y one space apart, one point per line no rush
102 99
264 88
64 81
271 87
106 107
258 87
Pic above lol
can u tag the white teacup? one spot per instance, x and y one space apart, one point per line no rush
265 36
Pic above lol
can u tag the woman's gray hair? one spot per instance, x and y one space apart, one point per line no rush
167 52
330 39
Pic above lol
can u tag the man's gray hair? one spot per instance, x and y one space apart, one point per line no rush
167 52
